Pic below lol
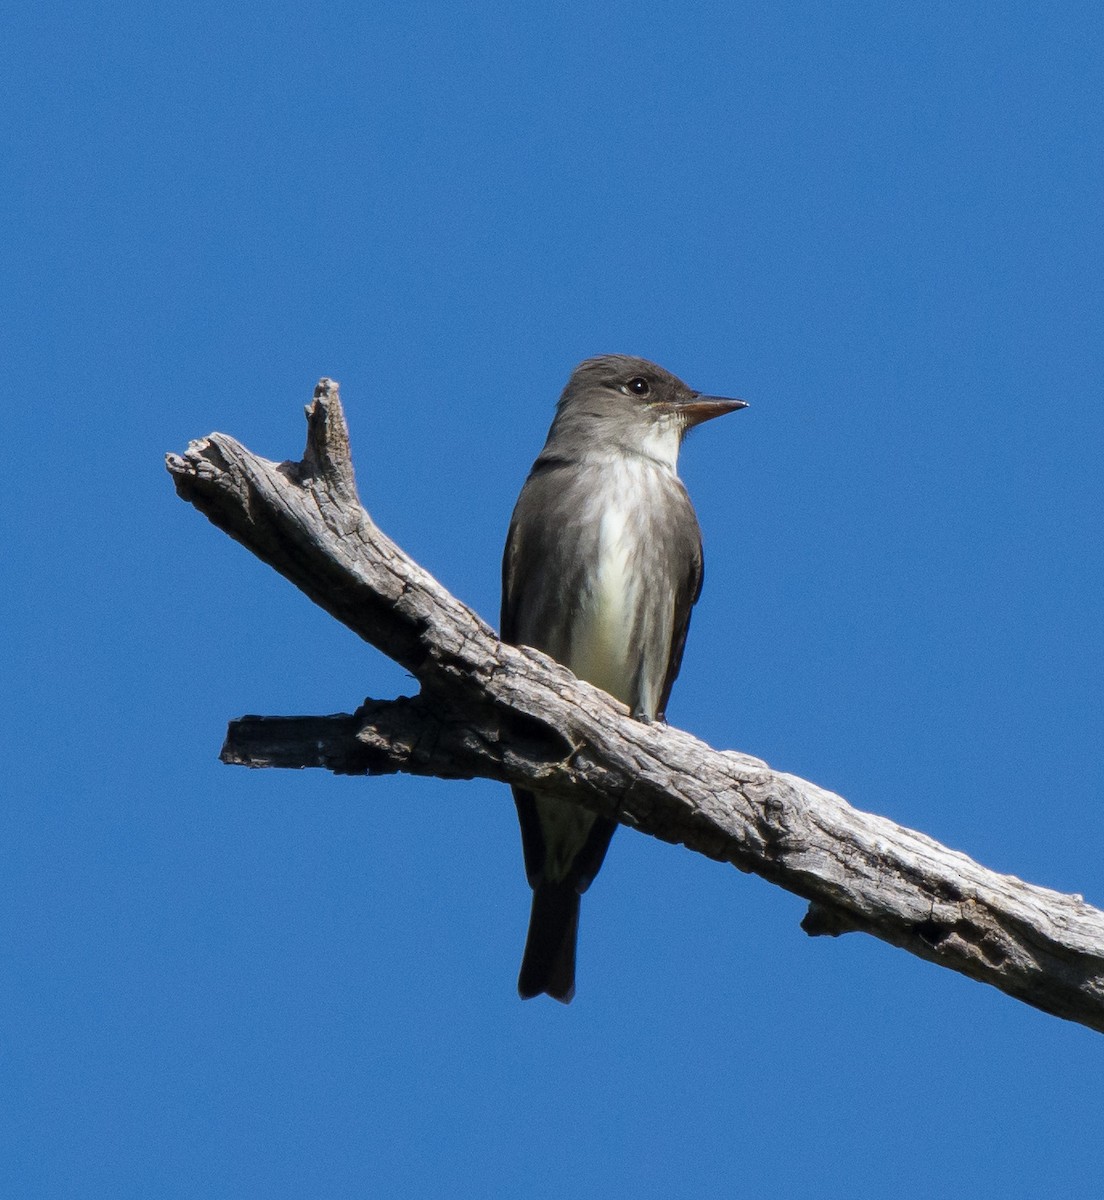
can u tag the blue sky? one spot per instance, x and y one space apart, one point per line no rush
878 223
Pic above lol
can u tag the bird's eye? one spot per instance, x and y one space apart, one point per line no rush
639 386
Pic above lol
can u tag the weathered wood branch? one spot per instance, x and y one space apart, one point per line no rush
500 712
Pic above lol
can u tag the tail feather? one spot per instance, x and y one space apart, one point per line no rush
548 964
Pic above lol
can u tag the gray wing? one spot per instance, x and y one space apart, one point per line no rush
687 597
542 570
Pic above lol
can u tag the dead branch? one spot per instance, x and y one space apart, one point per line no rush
496 711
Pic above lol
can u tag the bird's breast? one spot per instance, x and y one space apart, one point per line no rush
621 631
602 634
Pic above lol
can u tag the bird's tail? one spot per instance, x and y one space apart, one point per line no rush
548 964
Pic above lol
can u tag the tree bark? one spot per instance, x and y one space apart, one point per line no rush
512 714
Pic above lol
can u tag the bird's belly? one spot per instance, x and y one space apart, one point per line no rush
602 641
621 628
603 650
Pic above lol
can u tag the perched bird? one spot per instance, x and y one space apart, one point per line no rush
603 563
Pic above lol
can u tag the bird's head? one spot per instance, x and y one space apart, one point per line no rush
620 401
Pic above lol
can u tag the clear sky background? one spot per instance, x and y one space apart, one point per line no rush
880 223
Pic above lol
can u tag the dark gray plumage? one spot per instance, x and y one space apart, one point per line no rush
603 564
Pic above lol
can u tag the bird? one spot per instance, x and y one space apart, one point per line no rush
602 565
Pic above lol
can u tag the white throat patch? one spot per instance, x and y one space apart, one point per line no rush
662 441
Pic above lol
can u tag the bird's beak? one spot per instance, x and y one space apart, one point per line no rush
704 408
